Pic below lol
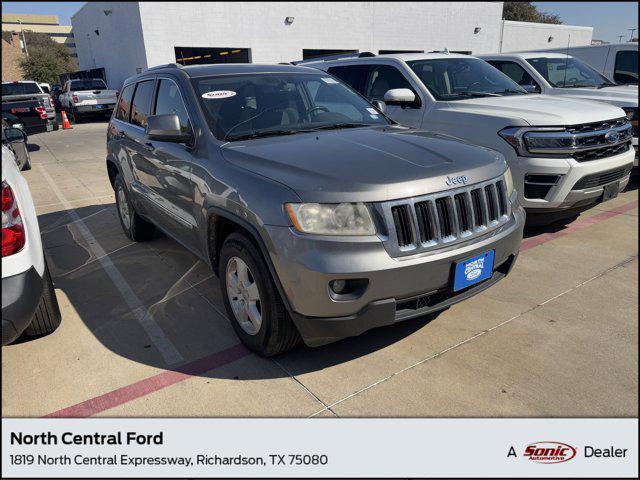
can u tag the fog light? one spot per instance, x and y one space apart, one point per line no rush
338 286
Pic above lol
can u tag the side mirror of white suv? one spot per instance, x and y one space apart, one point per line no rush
401 97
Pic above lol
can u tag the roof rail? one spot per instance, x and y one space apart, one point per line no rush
445 51
338 56
166 65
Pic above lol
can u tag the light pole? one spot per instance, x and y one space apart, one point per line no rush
24 40
631 30
620 37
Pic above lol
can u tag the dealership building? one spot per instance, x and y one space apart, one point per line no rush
125 38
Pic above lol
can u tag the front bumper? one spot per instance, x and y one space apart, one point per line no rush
398 288
563 195
21 295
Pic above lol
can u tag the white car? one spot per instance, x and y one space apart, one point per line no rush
565 154
559 74
87 96
29 303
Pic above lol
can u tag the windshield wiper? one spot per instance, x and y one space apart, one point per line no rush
474 94
511 90
607 84
262 134
579 85
335 126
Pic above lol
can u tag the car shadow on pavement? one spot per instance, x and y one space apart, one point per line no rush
118 288
33 147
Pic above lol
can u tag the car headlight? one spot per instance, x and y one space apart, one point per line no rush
331 219
508 182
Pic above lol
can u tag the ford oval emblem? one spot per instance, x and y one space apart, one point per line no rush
611 137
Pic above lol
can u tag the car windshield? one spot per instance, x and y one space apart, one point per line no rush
462 78
20 88
568 72
95 84
255 105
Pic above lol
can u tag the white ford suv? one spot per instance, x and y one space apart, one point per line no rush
29 301
565 154
560 74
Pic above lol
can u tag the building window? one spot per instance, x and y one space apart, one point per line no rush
383 52
308 53
205 55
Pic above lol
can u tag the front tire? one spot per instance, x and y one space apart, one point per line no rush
251 299
134 226
47 317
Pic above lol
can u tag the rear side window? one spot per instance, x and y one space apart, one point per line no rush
169 101
384 78
626 70
124 103
514 71
353 75
142 103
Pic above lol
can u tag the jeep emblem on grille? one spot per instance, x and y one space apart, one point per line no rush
459 180
611 137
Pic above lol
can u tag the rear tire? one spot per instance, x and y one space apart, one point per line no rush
56 125
47 317
134 226
276 333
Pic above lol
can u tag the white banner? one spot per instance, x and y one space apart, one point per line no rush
132 447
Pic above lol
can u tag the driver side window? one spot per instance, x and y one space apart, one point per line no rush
384 78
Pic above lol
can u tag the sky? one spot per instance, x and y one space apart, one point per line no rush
609 19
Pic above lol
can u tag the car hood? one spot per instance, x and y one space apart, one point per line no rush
620 96
365 164
538 110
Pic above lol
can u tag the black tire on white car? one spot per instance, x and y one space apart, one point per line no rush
134 226
47 317
252 300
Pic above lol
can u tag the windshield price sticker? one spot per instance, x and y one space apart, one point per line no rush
217 94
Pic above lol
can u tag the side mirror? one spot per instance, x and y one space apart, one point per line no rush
15 135
166 128
403 97
379 105
531 88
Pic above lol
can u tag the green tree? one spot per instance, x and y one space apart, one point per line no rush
528 12
47 59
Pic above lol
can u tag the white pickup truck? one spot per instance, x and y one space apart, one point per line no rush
85 97
565 154
567 76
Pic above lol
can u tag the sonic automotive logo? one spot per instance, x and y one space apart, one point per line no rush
549 452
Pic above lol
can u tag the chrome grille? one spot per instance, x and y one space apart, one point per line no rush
431 221
591 141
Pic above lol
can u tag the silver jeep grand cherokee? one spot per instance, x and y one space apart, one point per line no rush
322 218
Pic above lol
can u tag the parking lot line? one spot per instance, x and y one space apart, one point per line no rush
152 384
577 225
158 382
162 343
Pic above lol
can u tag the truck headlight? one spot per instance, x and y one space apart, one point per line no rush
508 182
331 219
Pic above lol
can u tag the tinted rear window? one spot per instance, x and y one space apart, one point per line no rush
142 103
626 67
124 104
20 88
94 84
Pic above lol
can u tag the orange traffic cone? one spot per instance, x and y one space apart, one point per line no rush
65 121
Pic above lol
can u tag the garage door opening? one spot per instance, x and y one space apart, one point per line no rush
206 55
308 53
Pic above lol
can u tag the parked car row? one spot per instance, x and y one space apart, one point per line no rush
342 194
